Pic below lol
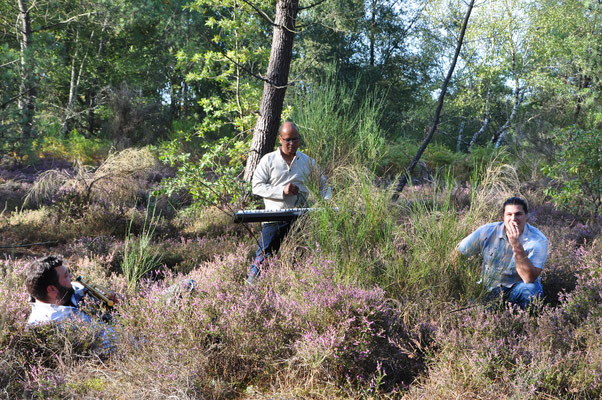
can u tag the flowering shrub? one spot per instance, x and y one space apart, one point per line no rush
295 323
553 352
309 328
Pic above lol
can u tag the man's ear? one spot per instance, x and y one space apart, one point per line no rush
52 292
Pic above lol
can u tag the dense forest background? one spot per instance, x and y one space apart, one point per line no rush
180 74
125 131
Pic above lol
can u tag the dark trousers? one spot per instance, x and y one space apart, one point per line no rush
269 243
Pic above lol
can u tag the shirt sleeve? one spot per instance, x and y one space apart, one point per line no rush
472 244
262 183
538 254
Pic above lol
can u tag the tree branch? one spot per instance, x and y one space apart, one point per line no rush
404 178
6 103
312 5
42 28
261 13
244 68
9 63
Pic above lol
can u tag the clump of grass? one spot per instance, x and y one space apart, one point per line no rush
114 182
358 232
139 256
339 129
431 229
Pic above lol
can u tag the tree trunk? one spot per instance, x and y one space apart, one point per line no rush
478 133
484 125
403 180
74 82
499 135
459 143
372 32
274 89
27 96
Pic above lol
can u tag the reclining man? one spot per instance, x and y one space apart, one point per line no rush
513 254
54 298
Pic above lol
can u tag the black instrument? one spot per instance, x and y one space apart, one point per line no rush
284 215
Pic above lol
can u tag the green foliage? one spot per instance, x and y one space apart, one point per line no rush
338 128
73 146
359 235
404 248
215 178
577 171
139 255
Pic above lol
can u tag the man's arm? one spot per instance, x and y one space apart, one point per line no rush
524 267
261 182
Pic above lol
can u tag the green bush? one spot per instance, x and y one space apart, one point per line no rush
577 170
214 178
73 146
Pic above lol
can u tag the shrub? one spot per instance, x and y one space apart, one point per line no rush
73 146
576 170
338 129
114 182
214 179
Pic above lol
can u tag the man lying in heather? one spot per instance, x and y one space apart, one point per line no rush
513 254
54 298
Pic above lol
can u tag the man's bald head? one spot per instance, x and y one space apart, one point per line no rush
289 139
289 127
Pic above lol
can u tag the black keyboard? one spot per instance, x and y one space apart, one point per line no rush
284 215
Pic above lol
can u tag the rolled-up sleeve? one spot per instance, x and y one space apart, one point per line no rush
472 244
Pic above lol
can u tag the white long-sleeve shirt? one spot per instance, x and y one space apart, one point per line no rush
273 174
45 312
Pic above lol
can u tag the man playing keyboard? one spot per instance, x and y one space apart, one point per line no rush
280 179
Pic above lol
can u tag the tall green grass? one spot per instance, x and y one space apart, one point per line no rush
359 233
407 247
338 129
139 256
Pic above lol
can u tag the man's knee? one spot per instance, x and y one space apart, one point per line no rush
524 293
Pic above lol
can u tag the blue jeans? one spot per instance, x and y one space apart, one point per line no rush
521 293
269 243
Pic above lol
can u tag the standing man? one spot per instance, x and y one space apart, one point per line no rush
280 179
513 254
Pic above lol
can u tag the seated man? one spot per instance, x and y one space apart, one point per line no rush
54 298
280 179
513 254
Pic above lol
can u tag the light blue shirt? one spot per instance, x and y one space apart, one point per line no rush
498 267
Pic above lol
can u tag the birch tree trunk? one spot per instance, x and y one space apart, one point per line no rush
274 89
27 96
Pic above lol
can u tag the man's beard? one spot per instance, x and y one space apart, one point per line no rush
65 294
